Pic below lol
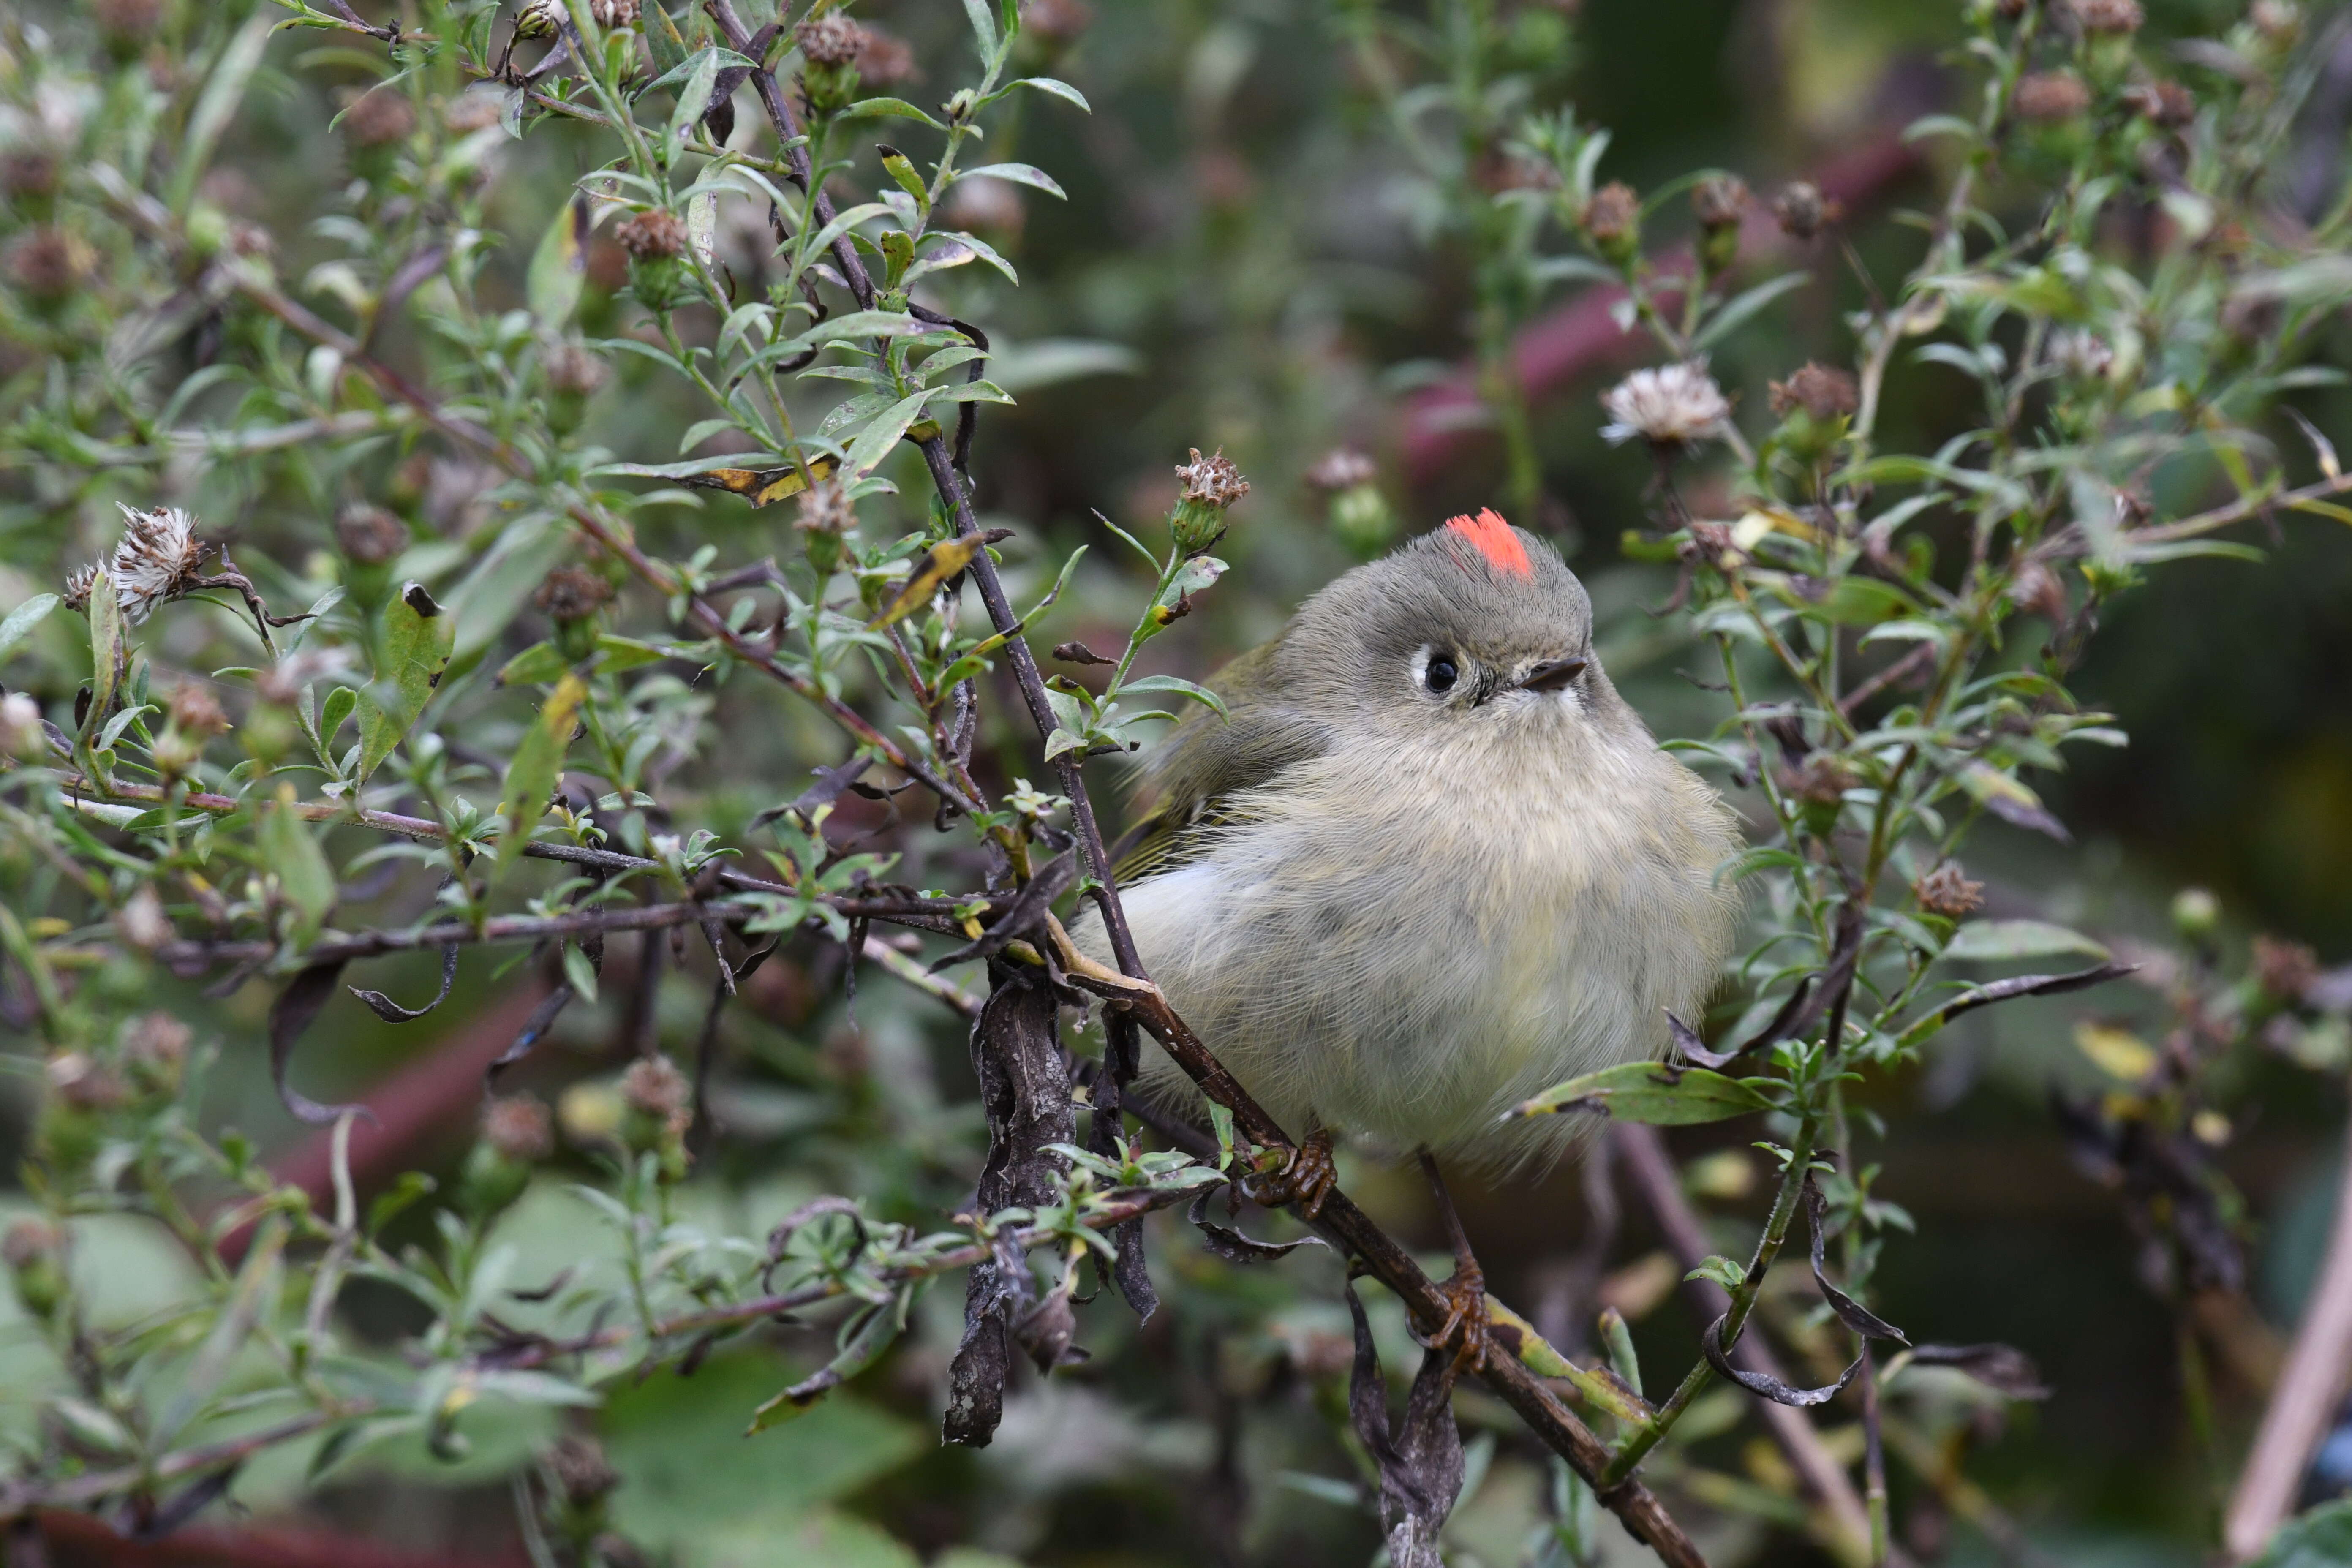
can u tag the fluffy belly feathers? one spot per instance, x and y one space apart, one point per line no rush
1403 965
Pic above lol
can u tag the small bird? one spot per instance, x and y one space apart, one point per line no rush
1429 864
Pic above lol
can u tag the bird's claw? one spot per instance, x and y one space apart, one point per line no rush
1309 1179
1464 1329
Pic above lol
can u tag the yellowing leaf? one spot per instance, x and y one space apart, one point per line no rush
762 487
942 562
2119 1053
538 763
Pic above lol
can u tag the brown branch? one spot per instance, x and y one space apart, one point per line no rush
2303 1400
1646 1159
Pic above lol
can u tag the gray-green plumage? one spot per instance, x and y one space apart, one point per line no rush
1396 905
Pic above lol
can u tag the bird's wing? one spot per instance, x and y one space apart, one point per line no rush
1195 784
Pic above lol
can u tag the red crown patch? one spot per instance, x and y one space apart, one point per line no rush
1495 539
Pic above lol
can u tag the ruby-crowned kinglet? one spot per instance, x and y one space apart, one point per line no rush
1430 863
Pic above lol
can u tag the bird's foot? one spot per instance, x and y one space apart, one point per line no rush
1463 1328
1310 1177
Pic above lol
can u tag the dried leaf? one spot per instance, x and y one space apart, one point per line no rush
1851 1312
1419 1458
291 1013
1232 1246
940 562
391 1011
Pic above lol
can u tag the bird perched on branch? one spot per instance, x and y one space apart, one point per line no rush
1430 863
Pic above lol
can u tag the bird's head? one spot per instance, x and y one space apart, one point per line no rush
1475 621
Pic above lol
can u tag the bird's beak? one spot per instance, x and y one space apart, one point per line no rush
1552 674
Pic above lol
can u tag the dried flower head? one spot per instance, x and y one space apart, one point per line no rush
1719 200
653 1086
1213 480
2108 15
21 732
572 594
127 20
27 172
832 39
655 235
1668 405
575 370
1945 891
1055 21
369 535
2079 352
885 59
1819 780
83 1082
1823 391
48 263
581 1469
2165 104
155 1048
31 1241
614 13
142 923
1341 469
2285 969
825 507
156 560
2036 587
1800 209
77 584
1613 213
2050 95
379 118
2280 21
520 1127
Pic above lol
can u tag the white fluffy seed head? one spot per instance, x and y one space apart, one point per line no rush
155 562
1672 405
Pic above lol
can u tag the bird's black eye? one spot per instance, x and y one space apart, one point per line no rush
1441 675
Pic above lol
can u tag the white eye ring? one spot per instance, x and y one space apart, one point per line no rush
1435 671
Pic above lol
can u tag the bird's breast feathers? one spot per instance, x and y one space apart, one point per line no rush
1403 944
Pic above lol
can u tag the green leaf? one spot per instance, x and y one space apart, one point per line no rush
1983 940
333 714
2010 800
537 665
1053 88
1661 1094
538 761
874 443
615 653
2320 1538
494 592
559 267
1019 175
900 168
579 973
224 94
894 108
389 1203
1736 314
984 26
416 642
23 618
693 99
1172 683
662 38
1720 1270
289 851
106 648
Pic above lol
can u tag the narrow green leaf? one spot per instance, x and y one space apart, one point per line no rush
1736 314
1661 1094
1053 88
416 642
559 267
874 443
1019 175
289 851
2018 939
538 763
23 618
106 649
223 93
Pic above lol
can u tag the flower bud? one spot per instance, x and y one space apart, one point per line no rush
581 1472
570 596
657 1108
1211 484
1612 221
34 1250
2050 96
831 46
1945 891
1720 202
517 1132
1814 406
655 241
2195 913
827 517
22 737
574 374
142 923
155 1053
1800 209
